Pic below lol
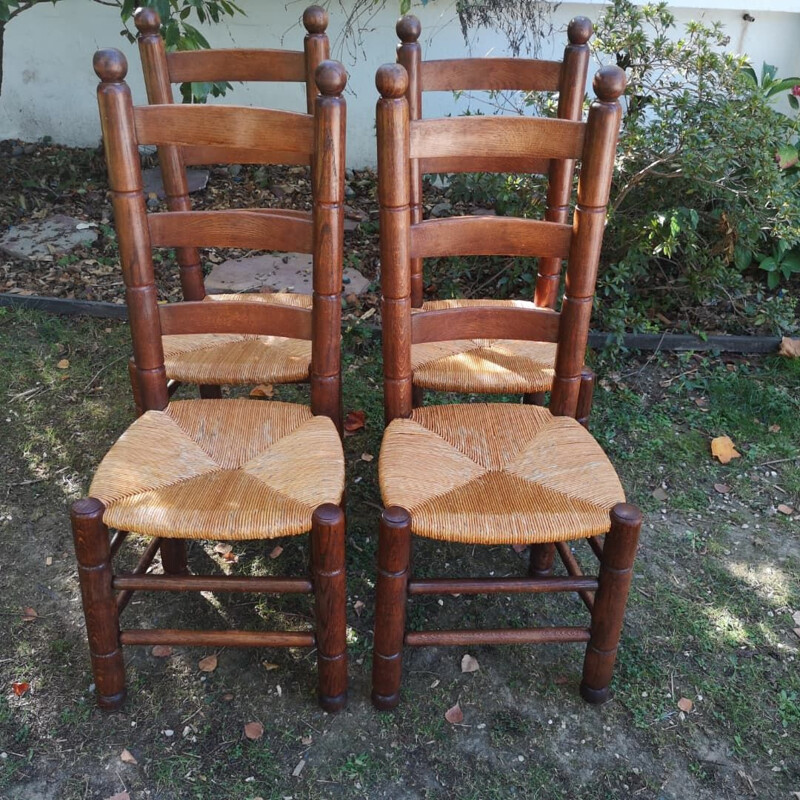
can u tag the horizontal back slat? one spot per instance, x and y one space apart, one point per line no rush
484 236
452 164
259 319
496 137
260 229
236 127
236 65
231 155
490 74
487 322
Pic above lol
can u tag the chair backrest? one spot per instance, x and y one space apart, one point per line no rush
401 140
162 69
232 130
567 77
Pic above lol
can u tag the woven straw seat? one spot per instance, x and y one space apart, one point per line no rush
483 365
221 469
497 474
212 358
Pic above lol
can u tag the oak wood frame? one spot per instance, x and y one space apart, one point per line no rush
604 596
106 595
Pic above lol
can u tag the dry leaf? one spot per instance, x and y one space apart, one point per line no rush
29 614
63 364
784 509
774 428
685 704
518 548
19 689
207 664
789 347
231 557
126 757
306 740
367 457
263 390
223 548
299 768
454 715
253 730
561 680
660 494
722 488
722 447
469 663
48 562
358 607
227 697
161 651
354 421
269 666
119 796
275 552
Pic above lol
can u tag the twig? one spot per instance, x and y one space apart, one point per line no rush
102 370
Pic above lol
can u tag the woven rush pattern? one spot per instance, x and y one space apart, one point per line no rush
483 365
221 358
221 469
497 474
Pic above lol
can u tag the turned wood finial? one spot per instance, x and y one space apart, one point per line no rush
331 78
391 80
315 19
147 21
609 83
408 29
110 65
579 30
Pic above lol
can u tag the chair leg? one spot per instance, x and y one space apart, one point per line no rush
330 591
585 394
616 571
541 563
394 550
417 397
173 556
533 398
135 391
93 552
210 392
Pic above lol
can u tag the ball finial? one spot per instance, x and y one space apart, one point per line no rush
331 78
315 19
110 65
609 83
147 21
392 81
408 29
579 30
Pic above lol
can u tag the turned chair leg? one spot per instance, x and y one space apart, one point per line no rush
533 398
585 393
541 563
616 571
394 550
173 556
135 390
99 604
417 396
210 392
330 591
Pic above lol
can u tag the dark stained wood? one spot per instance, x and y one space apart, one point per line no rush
500 585
596 543
116 542
208 154
491 74
316 49
506 236
487 322
99 608
574 569
240 64
189 638
616 572
496 636
239 317
124 597
213 583
173 555
394 552
330 594
256 229
585 393
455 164
540 564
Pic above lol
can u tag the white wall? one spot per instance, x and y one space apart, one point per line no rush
48 84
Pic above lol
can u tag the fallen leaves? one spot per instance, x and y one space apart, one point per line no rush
29 615
454 715
784 509
208 664
263 390
161 651
722 448
367 457
126 757
275 552
789 347
223 548
269 665
119 796
354 421
660 494
722 488
63 364
685 705
469 663
20 688
253 731
358 607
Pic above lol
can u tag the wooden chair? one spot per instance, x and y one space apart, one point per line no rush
206 360
483 365
496 473
220 469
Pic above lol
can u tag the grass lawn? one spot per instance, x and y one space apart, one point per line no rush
710 616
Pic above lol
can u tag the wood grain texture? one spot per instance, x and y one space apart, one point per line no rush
235 317
187 638
208 154
240 64
456 164
491 74
495 636
213 583
453 586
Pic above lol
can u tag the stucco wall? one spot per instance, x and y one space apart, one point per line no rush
48 85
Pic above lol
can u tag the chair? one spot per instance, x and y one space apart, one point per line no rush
496 473
482 365
220 469
207 360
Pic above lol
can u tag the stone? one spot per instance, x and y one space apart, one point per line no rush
52 235
441 209
274 273
153 185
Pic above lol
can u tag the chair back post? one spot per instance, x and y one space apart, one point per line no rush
316 47
125 181
572 88
173 173
394 197
594 185
409 55
328 168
